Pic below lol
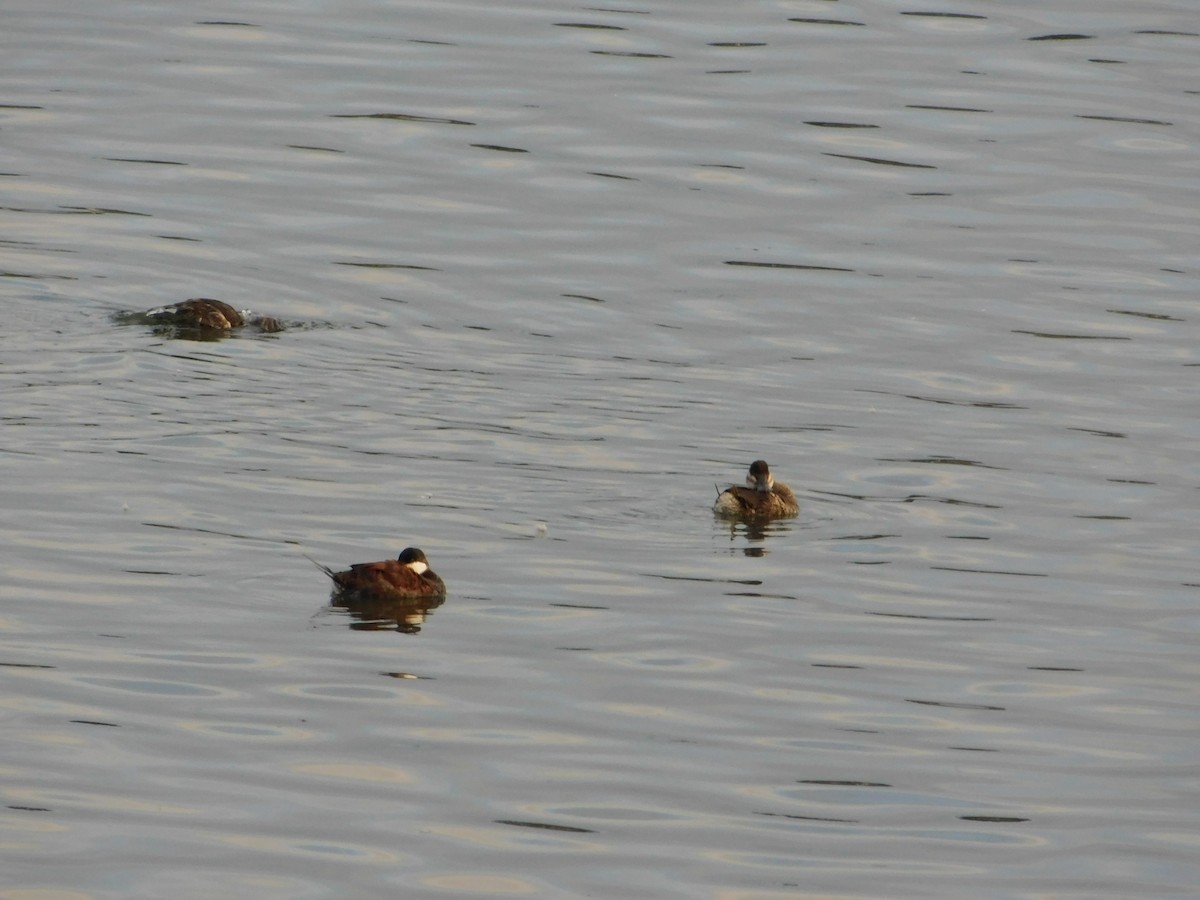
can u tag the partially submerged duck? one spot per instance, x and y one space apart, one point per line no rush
202 317
406 577
762 497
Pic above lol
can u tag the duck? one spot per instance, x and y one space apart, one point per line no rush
762 498
208 316
405 578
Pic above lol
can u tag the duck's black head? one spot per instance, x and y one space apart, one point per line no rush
760 476
414 559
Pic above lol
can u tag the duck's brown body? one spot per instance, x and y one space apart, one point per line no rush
762 497
210 316
404 578
201 312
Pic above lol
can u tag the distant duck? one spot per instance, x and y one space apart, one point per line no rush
208 317
762 498
407 577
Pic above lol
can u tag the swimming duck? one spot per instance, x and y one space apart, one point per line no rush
406 577
207 316
762 498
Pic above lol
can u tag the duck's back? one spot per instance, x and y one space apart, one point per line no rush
202 312
389 576
744 501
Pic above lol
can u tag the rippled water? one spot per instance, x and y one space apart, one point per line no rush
551 274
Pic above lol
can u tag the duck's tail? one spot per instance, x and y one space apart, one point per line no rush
328 571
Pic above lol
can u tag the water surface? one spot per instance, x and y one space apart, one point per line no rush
552 274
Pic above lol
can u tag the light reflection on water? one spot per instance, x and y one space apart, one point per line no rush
548 283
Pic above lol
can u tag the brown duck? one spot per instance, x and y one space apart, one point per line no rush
762 498
407 577
205 315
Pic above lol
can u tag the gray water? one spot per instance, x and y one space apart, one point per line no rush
553 272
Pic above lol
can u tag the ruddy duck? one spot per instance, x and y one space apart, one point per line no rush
207 316
762 498
407 577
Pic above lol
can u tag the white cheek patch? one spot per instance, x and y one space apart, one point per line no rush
419 567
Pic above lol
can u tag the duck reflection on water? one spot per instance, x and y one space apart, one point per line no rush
752 534
374 613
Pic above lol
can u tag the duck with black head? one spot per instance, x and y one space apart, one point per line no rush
407 577
762 497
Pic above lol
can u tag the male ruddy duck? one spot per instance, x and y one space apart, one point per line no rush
407 577
204 315
762 498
